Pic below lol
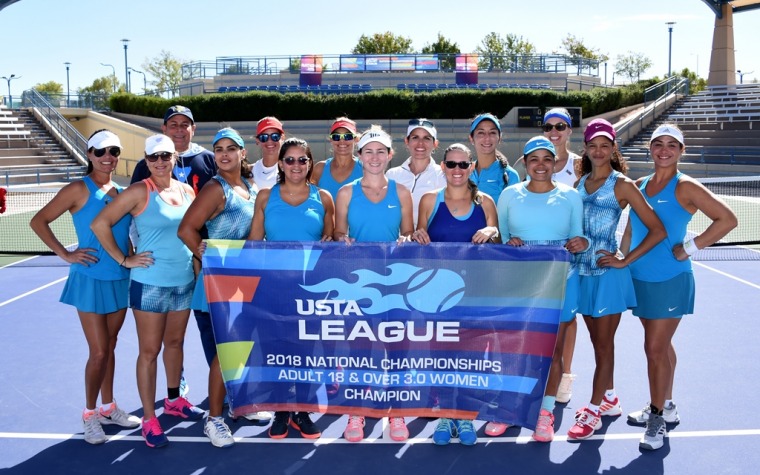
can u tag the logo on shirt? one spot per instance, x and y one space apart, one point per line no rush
670 309
392 206
662 201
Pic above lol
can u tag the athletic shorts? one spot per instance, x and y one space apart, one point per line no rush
157 299
606 294
199 295
570 307
92 295
669 299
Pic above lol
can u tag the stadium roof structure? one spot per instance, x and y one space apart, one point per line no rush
5 3
737 6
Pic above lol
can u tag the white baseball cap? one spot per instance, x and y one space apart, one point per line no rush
670 131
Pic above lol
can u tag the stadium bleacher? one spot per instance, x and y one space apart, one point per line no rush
361 88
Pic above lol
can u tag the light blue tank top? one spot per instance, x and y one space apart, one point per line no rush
659 264
157 226
285 222
234 222
106 268
374 222
601 213
327 182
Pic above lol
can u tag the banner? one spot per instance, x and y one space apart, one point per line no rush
444 330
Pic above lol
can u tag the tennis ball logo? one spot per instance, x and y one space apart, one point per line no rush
434 290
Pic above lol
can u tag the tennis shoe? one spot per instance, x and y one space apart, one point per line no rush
606 409
115 416
153 434
495 429
354 429
184 388
466 432
279 428
545 427
585 425
305 425
669 413
218 432
181 407
654 436
443 431
93 431
398 431
565 391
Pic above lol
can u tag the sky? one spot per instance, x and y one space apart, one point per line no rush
38 36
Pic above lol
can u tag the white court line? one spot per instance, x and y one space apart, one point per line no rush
33 291
483 440
727 275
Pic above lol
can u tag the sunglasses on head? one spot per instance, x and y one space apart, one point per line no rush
338 137
452 164
292 160
164 156
263 138
421 123
560 126
99 152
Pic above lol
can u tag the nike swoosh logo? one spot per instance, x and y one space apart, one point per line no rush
602 310
490 181
575 310
662 201
670 309
392 206
266 173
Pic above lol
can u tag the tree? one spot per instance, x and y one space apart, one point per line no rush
581 54
632 65
102 86
445 47
696 83
167 70
506 53
49 88
383 43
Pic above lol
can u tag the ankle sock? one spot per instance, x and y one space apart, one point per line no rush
548 403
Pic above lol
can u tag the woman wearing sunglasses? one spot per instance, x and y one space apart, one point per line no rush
269 137
374 209
343 167
492 172
293 210
225 207
419 173
541 211
97 286
161 280
457 213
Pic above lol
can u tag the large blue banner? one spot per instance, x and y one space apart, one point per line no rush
444 330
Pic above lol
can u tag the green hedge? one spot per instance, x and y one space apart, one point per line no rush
385 104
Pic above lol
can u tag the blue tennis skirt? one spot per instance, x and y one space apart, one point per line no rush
570 307
92 295
668 299
606 294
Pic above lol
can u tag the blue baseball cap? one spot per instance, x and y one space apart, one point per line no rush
559 113
178 110
537 143
228 133
487 116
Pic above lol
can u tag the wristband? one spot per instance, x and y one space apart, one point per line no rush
690 247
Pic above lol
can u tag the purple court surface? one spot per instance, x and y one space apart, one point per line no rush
42 361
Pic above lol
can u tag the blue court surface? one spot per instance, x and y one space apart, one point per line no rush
42 394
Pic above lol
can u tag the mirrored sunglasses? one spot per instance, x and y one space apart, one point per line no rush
164 156
421 123
339 137
264 138
114 151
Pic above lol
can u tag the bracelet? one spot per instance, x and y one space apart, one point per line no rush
124 262
690 247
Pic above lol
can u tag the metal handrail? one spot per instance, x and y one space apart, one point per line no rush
655 109
661 89
73 140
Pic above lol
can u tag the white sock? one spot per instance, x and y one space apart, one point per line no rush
610 394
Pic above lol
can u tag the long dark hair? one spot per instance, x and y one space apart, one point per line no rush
474 195
246 169
618 162
89 162
290 143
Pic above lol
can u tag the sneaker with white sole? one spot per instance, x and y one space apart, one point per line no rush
669 413
398 430
354 429
545 427
218 432
153 433
654 436
181 407
565 391
466 432
115 416
259 417
585 425
443 431
495 429
93 431
606 409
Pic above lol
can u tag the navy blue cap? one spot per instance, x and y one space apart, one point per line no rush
178 110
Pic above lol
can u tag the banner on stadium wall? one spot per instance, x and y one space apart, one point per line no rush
444 330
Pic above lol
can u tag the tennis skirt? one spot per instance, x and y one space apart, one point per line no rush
668 299
92 295
606 294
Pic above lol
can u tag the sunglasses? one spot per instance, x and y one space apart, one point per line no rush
114 151
421 123
339 137
264 138
559 126
450 164
164 156
293 160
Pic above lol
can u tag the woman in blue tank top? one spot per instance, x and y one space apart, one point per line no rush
225 207
343 167
293 210
606 289
662 278
97 285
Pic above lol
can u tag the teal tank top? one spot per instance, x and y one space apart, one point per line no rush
374 222
285 222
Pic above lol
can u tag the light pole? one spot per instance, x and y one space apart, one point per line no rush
8 79
68 90
145 81
113 71
126 64
670 43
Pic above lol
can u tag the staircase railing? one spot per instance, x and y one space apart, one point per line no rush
71 139
676 86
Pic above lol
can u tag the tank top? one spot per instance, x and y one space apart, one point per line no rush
327 182
106 268
659 264
374 222
445 227
234 221
285 222
157 226
601 213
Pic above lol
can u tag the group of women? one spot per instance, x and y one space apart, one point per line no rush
565 200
